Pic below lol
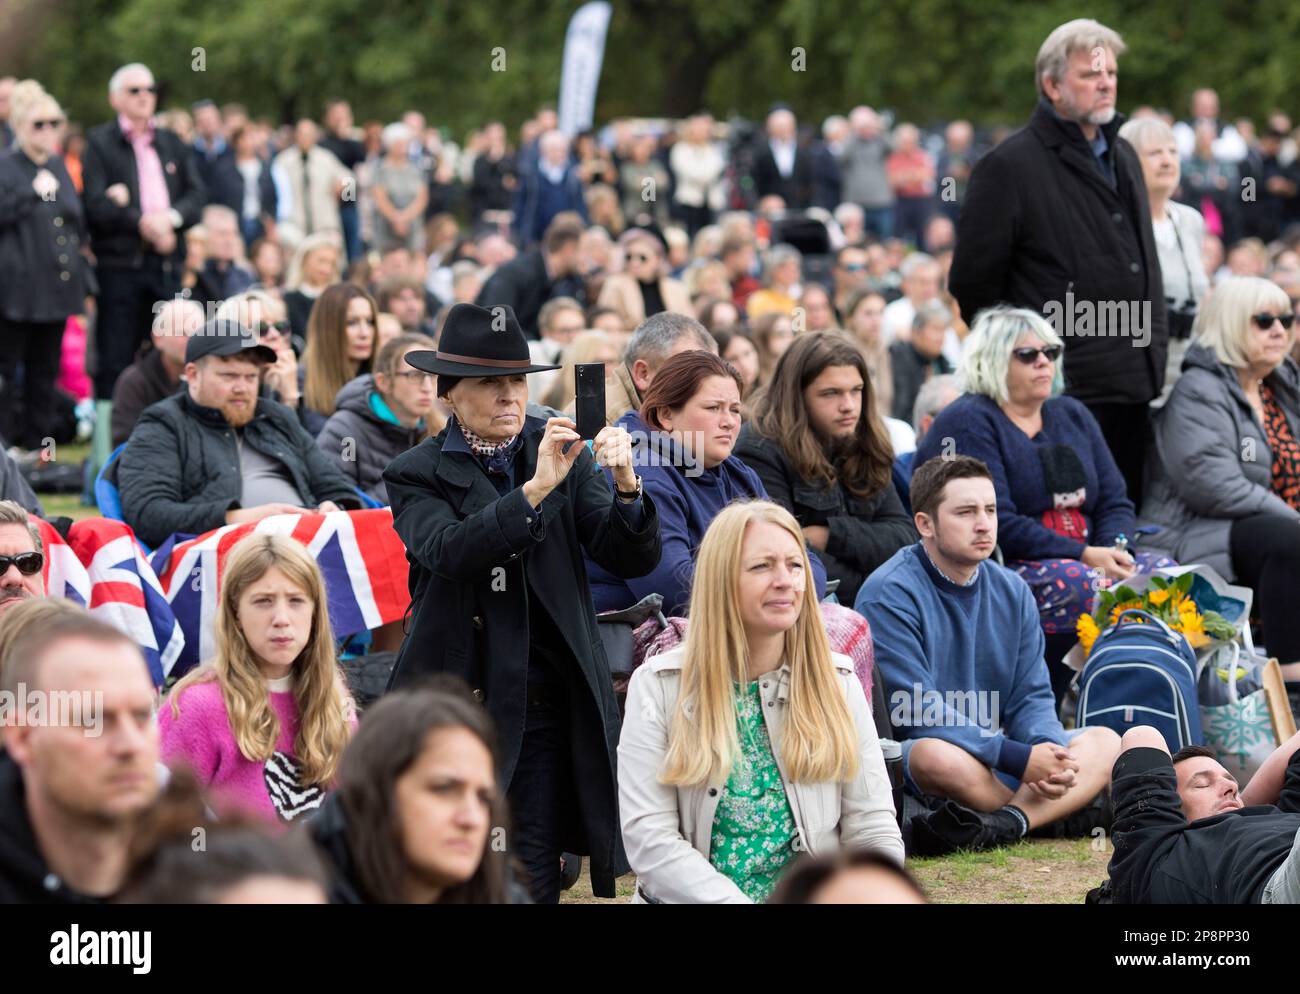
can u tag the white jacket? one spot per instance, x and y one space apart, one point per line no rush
698 171
667 830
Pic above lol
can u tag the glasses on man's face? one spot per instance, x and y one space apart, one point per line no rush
51 123
854 267
416 376
267 328
135 91
1265 321
1029 355
28 563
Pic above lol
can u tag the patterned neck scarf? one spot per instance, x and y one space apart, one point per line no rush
495 457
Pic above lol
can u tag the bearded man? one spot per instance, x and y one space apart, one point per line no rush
217 453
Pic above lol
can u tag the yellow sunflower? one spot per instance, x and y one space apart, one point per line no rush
1158 597
1087 631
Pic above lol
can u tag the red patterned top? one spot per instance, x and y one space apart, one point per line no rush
1286 452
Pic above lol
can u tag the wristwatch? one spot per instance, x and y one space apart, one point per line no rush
628 496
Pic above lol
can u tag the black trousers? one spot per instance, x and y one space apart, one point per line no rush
541 795
1127 430
37 347
128 299
1265 550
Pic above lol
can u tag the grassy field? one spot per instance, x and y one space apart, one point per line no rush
68 505
1040 871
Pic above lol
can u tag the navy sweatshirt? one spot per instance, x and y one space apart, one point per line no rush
1036 475
688 498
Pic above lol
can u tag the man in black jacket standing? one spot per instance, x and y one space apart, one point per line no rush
1056 219
1185 834
529 280
142 191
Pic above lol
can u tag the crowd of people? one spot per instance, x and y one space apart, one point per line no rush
944 379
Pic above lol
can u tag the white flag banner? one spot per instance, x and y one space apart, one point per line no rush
584 50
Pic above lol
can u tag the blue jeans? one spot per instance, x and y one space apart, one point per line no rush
879 221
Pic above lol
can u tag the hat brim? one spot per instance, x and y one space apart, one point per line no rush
429 362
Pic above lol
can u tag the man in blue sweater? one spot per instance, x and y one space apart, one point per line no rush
960 648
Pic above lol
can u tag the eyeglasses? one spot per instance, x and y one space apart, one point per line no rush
638 257
1029 356
854 267
52 123
28 563
1265 321
415 376
135 91
266 328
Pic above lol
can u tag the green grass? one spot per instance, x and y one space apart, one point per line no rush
68 505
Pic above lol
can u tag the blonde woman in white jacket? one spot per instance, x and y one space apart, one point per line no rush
752 742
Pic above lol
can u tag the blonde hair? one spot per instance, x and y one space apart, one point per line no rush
249 305
1223 323
26 99
32 615
310 244
820 741
325 707
986 357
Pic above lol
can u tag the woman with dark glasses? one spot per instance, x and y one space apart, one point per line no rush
1064 518
1225 485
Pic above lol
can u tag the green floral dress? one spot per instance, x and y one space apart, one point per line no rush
753 829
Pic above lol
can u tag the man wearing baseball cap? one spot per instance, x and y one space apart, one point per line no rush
217 454
497 513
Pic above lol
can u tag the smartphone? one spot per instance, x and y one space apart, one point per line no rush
589 378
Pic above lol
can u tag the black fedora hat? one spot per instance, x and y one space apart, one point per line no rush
479 341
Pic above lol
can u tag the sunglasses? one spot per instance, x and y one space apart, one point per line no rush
135 91
1029 356
637 257
277 328
52 123
854 267
1265 321
28 563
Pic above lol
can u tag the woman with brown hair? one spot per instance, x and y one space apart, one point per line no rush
419 815
820 447
340 345
683 438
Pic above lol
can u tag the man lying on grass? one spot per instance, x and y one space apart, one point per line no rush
1185 834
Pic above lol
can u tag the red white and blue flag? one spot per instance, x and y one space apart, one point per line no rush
361 557
102 566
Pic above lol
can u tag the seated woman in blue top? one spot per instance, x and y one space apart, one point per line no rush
1061 499
682 441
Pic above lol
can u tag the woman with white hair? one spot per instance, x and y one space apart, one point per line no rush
1063 513
400 194
1179 231
42 272
1225 482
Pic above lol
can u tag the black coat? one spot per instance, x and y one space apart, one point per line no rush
1039 221
180 471
864 531
474 557
115 231
25 877
523 284
797 189
374 443
43 275
222 181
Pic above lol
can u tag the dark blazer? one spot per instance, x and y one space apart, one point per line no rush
115 231
1039 222
524 285
180 470
43 276
475 558
797 189
864 531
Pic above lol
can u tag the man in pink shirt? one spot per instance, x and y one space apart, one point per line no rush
142 191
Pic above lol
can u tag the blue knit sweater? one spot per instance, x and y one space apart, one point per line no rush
688 498
930 633
1033 475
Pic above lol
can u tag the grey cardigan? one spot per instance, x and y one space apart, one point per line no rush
1212 463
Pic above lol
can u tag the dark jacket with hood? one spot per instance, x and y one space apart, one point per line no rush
181 471
1040 221
374 441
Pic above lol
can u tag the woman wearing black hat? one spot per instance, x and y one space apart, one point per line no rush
496 513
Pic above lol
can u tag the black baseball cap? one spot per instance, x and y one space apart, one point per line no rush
223 337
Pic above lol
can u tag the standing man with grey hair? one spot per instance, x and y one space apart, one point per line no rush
142 191
1056 219
656 340
782 168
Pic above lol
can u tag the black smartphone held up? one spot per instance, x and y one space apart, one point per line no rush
590 404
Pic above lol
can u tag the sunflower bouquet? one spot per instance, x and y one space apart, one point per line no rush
1167 599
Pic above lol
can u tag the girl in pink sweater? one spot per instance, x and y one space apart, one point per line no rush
264 725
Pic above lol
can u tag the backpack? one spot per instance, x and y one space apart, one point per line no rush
1141 672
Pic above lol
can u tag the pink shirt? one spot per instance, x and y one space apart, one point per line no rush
202 738
149 169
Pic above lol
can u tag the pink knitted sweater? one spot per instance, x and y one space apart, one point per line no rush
202 738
